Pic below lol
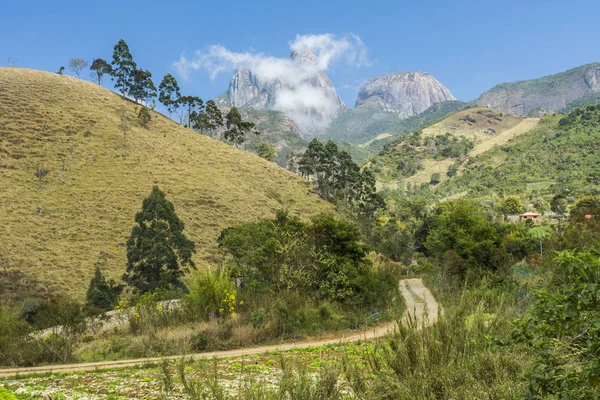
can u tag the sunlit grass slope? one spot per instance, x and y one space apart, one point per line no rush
54 231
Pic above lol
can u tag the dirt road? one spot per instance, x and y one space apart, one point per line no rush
420 304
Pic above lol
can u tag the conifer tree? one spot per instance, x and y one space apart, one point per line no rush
102 293
123 68
158 253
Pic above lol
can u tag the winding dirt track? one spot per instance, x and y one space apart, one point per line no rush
420 305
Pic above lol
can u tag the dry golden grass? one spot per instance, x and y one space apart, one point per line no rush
56 232
503 137
460 123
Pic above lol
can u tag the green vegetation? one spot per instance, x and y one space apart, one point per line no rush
340 180
408 152
281 279
276 129
266 151
520 300
562 327
101 68
443 147
158 253
563 151
6 395
237 129
364 123
324 260
81 215
591 98
102 294
361 124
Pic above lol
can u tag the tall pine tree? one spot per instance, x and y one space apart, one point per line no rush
123 68
158 253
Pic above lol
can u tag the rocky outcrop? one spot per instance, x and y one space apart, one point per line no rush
306 95
405 93
550 93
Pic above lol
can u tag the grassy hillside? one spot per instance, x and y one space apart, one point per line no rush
53 231
365 124
415 158
361 124
562 153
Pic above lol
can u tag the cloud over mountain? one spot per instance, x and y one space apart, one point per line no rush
297 85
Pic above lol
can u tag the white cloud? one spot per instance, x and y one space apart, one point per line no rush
297 93
327 47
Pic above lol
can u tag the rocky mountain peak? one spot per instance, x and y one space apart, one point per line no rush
404 93
303 57
306 94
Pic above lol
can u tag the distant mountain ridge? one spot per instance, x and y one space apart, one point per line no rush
550 93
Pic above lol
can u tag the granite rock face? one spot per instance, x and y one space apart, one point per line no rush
406 93
305 94
543 95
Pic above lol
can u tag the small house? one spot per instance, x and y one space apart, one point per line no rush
535 217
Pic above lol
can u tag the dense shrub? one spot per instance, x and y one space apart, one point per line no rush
102 294
324 258
458 231
208 292
562 326
12 332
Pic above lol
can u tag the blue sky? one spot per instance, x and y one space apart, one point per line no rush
468 45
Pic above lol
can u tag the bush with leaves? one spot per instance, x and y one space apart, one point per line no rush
266 151
12 334
65 321
458 233
102 294
563 327
144 117
325 258
207 292
149 310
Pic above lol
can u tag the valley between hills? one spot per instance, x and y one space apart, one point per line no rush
412 246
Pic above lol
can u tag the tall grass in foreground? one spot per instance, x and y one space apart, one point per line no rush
461 356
